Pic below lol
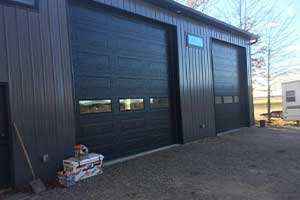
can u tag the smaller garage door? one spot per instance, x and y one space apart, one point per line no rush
230 86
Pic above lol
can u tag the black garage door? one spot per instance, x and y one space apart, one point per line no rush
229 83
121 81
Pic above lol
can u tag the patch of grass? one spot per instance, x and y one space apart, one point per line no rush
261 107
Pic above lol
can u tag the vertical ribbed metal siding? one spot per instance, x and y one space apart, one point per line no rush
35 62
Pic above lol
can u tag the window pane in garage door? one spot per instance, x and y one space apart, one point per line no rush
131 104
95 106
157 103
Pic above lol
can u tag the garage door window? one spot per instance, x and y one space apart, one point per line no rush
290 96
131 104
159 103
95 106
236 99
218 99
228 99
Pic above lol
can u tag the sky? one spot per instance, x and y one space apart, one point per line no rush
292 9
292 65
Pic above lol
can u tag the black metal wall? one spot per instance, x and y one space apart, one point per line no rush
35 61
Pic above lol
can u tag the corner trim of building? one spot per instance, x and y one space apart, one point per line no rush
121 160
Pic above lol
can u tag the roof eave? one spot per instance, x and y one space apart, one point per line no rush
184 10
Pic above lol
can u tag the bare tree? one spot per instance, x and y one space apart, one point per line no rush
270 54
279 35
201 5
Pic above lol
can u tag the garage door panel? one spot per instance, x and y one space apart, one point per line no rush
141 133
227 84
95 129
131 86
93 88
89 23
154 48
130 67
143 57
116 23
92 65
138 47
227 77
158 118
132 124
130 136
147 142
121 22
92 39
90 47
105 141
149 58
159 86
158 69
106 149
226 89
227 109
80 11
156 121
119 57
93 33
95 118
223 50
226 63
143 31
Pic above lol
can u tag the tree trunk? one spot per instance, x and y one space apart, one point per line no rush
269 87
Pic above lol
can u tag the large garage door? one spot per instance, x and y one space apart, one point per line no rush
230 90
121 81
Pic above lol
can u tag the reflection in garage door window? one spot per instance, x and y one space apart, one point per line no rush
236 99
228 99
218 100
131 104
95 106
157 103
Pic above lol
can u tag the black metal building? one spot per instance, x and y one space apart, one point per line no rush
120 76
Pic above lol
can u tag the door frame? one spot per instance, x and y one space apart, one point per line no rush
241 49
5 85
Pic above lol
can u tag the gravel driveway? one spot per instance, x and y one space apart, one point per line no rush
258 164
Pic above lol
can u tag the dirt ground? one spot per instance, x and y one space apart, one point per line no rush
260 107
252 164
